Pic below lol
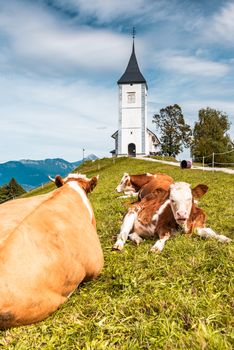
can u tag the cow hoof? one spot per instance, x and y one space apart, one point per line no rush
155 250
118 245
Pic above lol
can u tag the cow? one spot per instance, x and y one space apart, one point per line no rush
48 246
143 184
162 213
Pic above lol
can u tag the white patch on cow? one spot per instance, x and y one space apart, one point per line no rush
159 245
76 176
160 210
144 230
119 244
125 230
206 232
181 201
134 237
122 185
75 186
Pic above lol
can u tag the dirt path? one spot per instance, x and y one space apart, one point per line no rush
224 170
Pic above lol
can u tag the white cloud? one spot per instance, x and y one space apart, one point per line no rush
104 11
55 69
191 65
55 119
220 27
46 43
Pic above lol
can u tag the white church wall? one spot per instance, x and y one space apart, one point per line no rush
127 91
131 136
131 118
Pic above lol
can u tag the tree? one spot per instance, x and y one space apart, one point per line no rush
10 191
174 132
210 136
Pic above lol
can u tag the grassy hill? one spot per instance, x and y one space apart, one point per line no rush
179 299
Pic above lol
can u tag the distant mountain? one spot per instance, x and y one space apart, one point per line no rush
32 173
89 157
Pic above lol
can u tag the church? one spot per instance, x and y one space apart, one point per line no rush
133 138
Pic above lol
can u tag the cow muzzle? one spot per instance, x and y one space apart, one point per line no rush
118 189
181 215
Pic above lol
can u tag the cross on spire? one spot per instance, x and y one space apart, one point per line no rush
133 33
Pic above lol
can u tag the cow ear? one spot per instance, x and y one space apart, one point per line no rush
93 182
199 191
58 181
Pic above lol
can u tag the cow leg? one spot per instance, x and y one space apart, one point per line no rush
126 228
159 245
206 232
134 237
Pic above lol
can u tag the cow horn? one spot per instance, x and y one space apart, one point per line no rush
51 179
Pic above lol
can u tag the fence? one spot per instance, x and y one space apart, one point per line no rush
7 199
213 163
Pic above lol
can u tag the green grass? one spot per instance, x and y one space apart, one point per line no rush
179 299
167 158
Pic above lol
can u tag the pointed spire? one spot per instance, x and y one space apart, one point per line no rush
133 33
132 73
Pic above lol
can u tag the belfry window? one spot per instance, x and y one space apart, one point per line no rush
131 97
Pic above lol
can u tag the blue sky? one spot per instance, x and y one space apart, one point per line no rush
60 61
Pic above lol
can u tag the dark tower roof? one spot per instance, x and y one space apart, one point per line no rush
132 73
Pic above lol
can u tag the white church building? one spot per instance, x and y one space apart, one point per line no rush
133 137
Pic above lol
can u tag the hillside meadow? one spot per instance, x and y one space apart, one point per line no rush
179 299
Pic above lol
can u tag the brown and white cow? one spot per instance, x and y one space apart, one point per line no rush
143 184
48 246
162 213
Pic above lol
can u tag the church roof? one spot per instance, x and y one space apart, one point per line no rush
115 135
132 73
153 134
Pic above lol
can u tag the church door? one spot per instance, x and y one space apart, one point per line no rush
132 150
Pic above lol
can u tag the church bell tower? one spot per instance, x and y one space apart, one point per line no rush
132 137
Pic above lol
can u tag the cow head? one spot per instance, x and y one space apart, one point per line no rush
124 183
182 198
84 182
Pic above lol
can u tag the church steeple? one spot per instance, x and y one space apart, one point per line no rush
132 73
133 138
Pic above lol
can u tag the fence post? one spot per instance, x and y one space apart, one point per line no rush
203 162
213 161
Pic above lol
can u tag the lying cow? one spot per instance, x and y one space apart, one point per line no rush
48 246
162 213
143 184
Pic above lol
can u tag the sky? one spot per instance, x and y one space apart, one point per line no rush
60 61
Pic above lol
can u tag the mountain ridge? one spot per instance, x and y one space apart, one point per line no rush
30 173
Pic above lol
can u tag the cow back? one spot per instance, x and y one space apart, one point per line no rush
47 251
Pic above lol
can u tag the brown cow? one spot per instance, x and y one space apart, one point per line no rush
143 184
48 246
162 213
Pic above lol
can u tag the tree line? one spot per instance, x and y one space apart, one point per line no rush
10 191
209 134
